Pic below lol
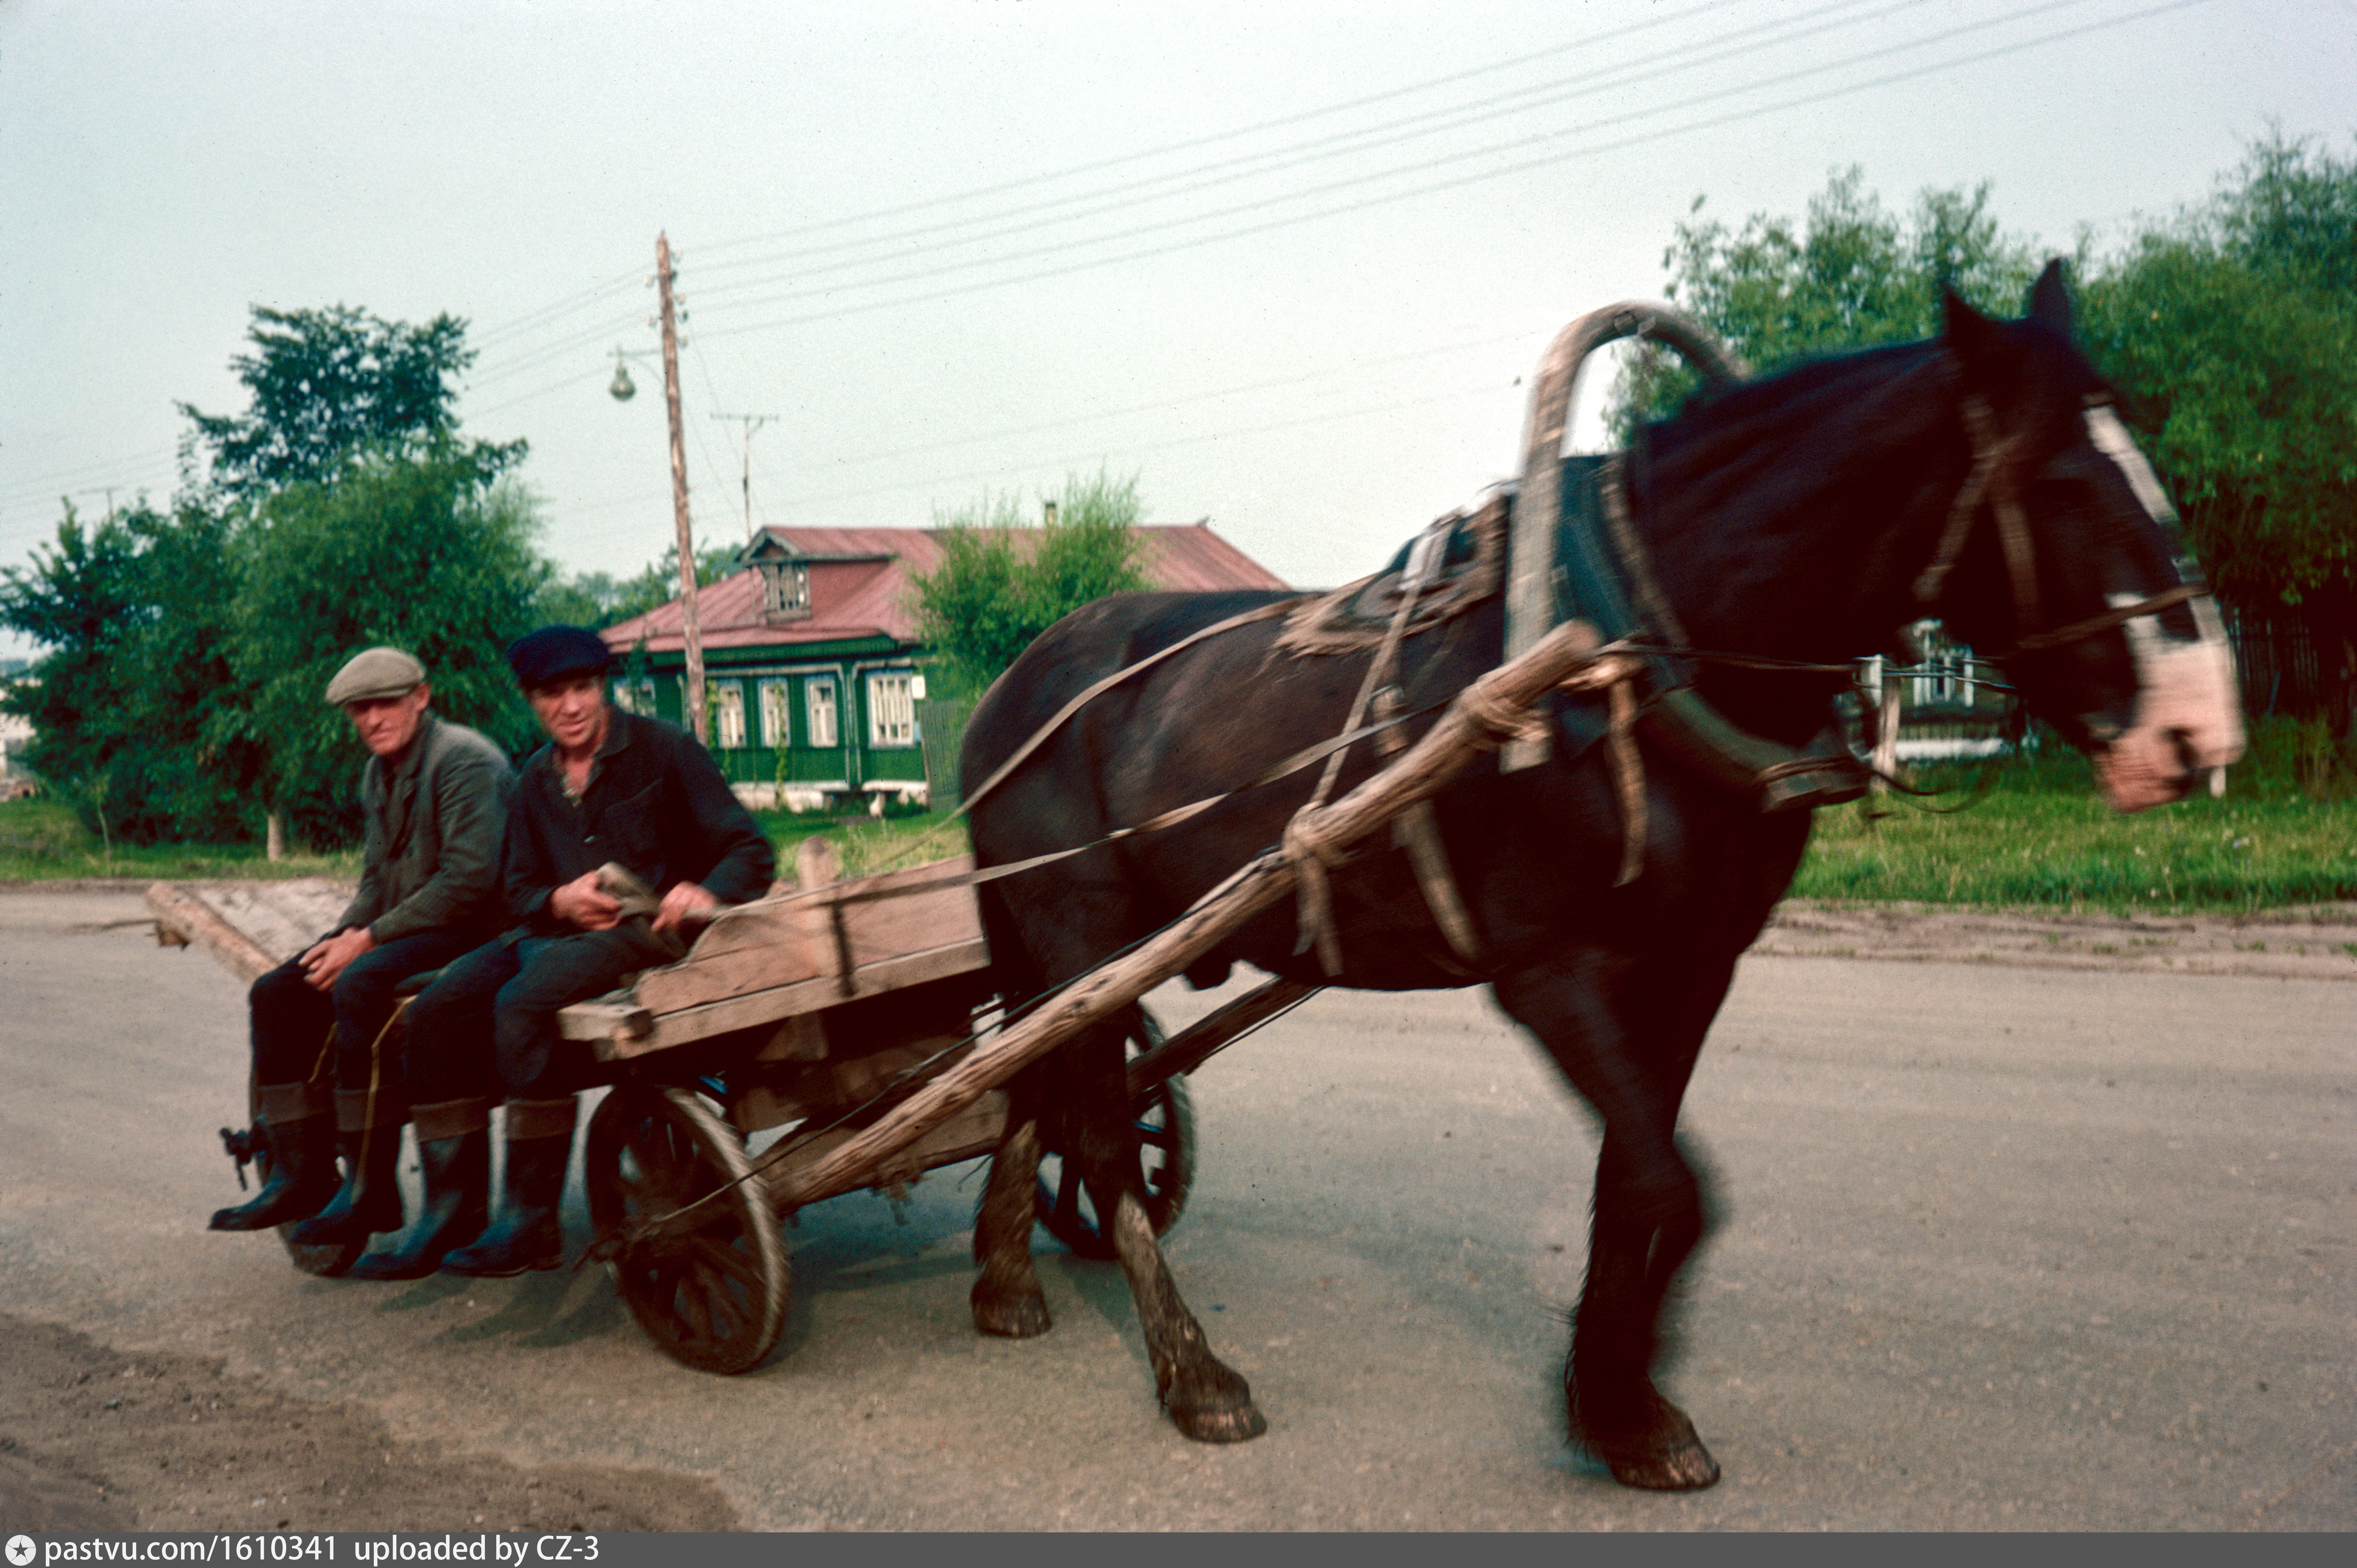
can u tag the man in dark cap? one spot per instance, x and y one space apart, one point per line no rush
611 789
435 798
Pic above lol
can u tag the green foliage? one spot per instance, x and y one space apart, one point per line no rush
1001 583
2042 838
2233 335
131 613
178 695
1853 274
42 840
429 554
326 384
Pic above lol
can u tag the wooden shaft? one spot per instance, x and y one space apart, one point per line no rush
1215 1032
1444 750
692 632
191 919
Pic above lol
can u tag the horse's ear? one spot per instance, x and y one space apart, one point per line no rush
1971 337
2050 302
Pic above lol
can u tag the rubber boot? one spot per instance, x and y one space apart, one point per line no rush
302 1141
526 1235
368 1130
454 1143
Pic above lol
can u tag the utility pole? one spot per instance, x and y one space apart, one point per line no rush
751 422
694 634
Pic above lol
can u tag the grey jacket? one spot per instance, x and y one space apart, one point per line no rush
433 828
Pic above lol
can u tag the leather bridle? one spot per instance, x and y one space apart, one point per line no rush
1996 477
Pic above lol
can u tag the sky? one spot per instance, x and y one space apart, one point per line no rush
1287 263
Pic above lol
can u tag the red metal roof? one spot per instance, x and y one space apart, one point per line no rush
867 595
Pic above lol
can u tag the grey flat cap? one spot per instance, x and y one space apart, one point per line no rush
379 672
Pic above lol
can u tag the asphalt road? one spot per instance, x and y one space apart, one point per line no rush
2003 1247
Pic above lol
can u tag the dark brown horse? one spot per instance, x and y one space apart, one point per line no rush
1791 519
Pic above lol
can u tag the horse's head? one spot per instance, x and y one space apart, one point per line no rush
2068 565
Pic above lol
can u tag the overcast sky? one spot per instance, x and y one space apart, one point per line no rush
1287 261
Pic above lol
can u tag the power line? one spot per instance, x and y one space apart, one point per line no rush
1124 159
507 371
1334 144
1444 160
1708 123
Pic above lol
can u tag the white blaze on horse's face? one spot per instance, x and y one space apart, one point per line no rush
2188 720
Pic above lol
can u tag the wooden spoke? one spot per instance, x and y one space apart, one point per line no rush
715 1298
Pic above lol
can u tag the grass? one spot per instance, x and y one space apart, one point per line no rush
2041 838
2286 833
42 841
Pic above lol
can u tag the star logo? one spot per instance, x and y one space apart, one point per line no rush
20 1550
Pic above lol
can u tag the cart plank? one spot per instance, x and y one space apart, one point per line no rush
621 1026
251 927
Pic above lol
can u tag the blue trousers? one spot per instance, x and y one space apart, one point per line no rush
487 1027
297 1030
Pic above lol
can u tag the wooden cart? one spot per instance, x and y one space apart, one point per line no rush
857 1021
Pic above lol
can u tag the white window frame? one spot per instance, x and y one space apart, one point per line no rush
727 715
823 704
892 709
635 696
776 705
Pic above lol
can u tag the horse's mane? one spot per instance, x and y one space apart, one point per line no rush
1742 441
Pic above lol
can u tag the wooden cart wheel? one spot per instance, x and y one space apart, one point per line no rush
325 1262
714 1298
1166 1136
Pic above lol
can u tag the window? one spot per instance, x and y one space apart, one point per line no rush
777 716
727 702
818 695
635 696
785 590
891 709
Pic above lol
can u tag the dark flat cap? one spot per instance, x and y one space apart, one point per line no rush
375 674
556 651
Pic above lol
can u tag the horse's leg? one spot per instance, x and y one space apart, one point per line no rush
1006 1297
1630 1061
1208 1399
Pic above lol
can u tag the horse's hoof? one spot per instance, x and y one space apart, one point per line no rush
1663 1454
1687 1468
1011 1318
1214 1405
1226 1424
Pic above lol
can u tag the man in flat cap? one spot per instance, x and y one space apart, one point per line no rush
610 788
435 796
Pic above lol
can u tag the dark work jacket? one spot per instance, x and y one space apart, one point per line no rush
433 832
655 805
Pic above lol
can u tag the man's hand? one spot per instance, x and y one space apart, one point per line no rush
327 960
687 903
583 903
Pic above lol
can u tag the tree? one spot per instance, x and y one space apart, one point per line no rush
185 652
1000 582
1852 276
431 553
2231 333
132 617
327 384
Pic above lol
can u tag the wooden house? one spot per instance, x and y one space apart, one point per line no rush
815 675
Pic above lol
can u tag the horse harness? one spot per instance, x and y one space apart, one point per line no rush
1588 563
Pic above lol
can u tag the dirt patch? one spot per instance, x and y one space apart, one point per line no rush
2318 942
94 1439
